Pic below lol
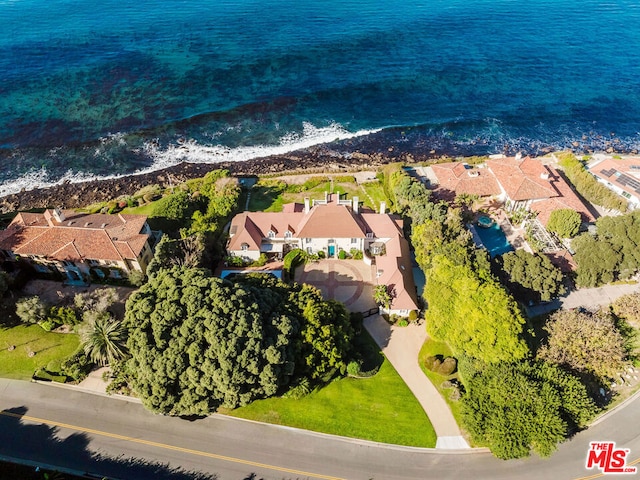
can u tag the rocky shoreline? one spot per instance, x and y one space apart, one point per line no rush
75 195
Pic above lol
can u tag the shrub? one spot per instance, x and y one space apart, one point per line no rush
413 315
136 278
403 323
47 325
433 362
54 366
261 261
234 261
447 367
63 316
292 260
300 390
31 310
356 254
77 366
314 182
321 254
342 255
353 368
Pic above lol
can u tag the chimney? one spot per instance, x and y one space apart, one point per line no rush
383 208
544 176
58 215
356 204
307 204
47 217
518 156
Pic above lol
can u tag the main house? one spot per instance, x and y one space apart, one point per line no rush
79 245
332 225
521 183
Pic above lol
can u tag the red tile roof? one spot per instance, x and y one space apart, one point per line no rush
525 179
457 178
79 236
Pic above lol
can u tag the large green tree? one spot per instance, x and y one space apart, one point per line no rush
514 408
530 276
565 222
585 342
198 342
472 313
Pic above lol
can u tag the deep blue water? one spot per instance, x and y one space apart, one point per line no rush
112 87
494 240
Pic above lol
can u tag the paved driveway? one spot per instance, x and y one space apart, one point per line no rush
348 281
589 298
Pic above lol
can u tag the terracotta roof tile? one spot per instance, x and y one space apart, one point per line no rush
78 236
456 178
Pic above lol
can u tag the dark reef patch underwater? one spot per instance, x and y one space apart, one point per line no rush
100 89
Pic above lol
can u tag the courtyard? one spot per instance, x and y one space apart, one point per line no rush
348 281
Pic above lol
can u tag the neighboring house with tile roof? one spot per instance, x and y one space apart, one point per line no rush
458 177
328 226
78 244
522 183
620 175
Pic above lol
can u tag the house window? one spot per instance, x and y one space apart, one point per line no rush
354 240
287 234
370 235
244 246
309 250
307 240
271 234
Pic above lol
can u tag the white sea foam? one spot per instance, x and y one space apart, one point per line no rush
192 151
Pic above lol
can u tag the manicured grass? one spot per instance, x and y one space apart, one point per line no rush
380 408
376 192
47 346
433 347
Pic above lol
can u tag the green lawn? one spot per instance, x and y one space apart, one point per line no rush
32 338
376 192
380 408
433 347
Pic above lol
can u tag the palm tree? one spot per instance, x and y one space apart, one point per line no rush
103 339
382 296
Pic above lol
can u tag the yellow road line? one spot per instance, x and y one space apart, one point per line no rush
169 447
598 475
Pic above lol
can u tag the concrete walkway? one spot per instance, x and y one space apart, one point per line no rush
94 382
401 346
589 298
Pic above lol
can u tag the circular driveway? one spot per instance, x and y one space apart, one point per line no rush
348 281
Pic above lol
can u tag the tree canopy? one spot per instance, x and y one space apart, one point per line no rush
565 222
588 186
514 408
614 253
530 276
198 342
474 315
585 342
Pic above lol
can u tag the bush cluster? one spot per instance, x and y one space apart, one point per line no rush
443 366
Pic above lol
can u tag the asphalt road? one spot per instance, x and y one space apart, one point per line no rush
97 434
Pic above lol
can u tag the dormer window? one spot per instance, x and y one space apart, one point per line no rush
271 234
244 246
287 234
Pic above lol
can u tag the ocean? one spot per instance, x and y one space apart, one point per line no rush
94 89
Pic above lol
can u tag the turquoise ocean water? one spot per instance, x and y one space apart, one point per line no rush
112 87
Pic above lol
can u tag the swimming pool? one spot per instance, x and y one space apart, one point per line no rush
494 240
